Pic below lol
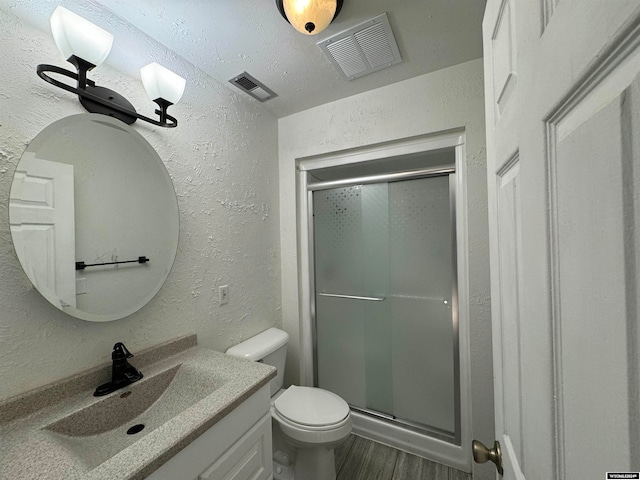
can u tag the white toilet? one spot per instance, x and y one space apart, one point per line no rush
312 421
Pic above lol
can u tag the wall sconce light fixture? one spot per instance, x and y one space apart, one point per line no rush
86 46
309 16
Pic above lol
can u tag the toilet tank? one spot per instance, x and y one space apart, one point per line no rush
269 347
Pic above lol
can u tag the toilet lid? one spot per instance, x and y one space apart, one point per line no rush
311 406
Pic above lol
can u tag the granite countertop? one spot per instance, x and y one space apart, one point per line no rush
62 432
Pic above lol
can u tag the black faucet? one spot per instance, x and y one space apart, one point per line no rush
122 373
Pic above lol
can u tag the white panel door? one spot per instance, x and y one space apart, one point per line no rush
562 87
41 210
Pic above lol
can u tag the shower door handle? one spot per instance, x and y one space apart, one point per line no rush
352 297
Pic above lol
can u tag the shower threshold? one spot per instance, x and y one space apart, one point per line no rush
417 427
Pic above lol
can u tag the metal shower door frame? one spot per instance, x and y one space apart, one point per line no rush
451 437
457 455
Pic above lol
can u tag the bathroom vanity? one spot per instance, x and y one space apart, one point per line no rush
196 414
236 448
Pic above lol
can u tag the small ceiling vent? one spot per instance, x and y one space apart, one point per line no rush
253 87
363 49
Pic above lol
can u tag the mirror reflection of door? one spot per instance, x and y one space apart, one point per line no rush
42 218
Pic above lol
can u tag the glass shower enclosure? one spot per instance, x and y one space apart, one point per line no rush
386 336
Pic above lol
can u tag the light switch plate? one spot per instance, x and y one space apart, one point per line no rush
223 295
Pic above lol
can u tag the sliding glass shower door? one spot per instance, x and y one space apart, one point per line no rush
385 299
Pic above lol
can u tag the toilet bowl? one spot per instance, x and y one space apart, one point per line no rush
312 421
311 416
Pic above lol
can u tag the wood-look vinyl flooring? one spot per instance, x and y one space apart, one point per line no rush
362 459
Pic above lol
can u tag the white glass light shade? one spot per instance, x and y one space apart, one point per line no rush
300 13
77 36
160 82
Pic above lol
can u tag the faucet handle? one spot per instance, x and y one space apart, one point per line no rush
120 351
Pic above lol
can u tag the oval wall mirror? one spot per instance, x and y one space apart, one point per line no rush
94 217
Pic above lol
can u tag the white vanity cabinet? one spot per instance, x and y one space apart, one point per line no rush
238 447
248 459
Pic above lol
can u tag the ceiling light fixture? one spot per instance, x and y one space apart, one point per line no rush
309 16
86 46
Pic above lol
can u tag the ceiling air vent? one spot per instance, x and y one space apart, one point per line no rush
363 49
253 87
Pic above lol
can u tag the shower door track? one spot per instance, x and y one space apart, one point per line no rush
415 426
387 177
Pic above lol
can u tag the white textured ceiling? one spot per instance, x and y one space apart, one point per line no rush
226 37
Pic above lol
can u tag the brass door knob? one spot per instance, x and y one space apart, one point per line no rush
482 454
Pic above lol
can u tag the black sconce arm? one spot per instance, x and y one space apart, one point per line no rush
90 95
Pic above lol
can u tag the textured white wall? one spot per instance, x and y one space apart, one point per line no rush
223 162
446 99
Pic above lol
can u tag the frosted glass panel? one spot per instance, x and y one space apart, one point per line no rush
378 325
391 241
339 267
420 284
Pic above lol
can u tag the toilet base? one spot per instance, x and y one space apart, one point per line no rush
282 472
316 463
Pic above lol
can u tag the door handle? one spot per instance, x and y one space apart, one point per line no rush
352 297
482 454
